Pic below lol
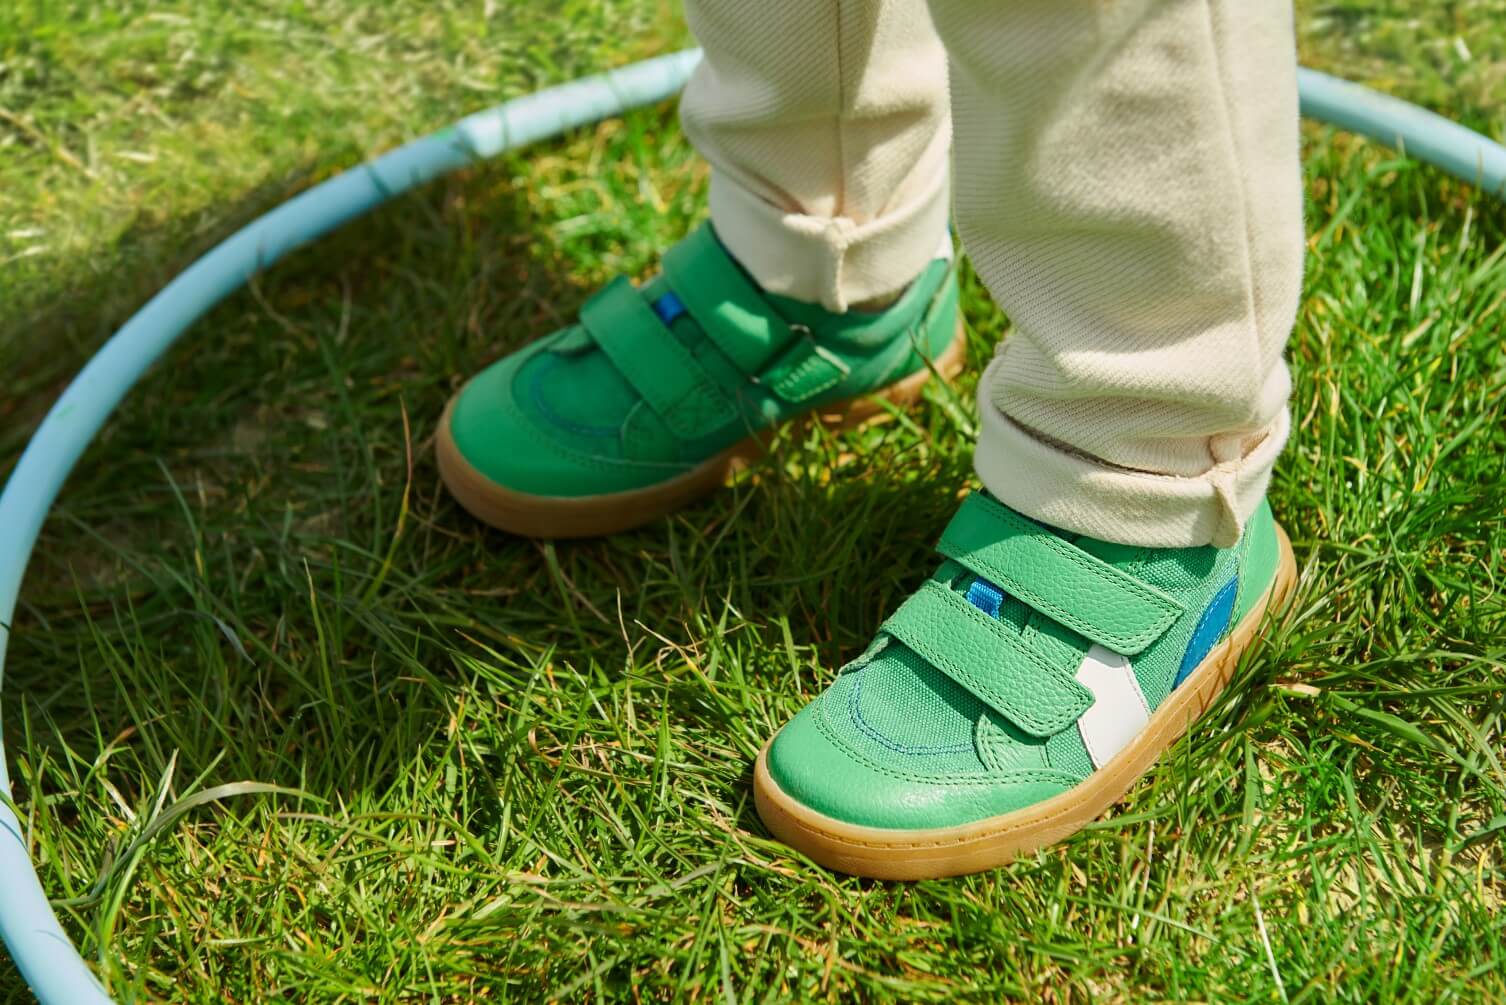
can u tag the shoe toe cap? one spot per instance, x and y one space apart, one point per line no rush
811 764
497 437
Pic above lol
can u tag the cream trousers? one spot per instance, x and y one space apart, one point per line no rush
1126 184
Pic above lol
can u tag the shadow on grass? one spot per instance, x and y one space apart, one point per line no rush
246 580
48 332
260 464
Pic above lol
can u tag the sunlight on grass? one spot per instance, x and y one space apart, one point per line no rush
503 766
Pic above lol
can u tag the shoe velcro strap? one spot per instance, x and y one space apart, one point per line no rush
804 370
1055 577
983 655
728 306
657 365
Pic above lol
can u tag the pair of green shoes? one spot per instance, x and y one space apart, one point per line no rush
1011 700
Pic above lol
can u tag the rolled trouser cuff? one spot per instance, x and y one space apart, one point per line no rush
1056 485
834 261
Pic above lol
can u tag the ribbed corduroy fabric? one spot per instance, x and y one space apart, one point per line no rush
1126 184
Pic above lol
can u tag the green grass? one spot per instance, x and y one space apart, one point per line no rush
525 767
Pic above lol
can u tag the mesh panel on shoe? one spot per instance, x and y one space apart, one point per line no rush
898 710
1066 752
1175 571
1014 613
1193 576
908 702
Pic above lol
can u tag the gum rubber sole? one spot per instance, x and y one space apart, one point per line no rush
883 853
608 513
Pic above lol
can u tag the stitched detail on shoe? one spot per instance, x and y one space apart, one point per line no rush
507 404
988 659
854 707
818 372
960 542
536 392
974 780
994 744
878 645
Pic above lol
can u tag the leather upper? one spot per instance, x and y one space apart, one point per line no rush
656 379
962 710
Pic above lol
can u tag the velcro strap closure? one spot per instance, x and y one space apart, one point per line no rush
1055 577
654 362
804 370
728 306
983 655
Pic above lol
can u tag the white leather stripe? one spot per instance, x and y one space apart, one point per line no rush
1118 712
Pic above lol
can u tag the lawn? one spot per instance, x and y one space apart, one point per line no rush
518 770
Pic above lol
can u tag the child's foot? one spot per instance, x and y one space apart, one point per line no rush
656 394
1014 697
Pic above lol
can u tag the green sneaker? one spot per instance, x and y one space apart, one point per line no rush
1015 696
650 401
